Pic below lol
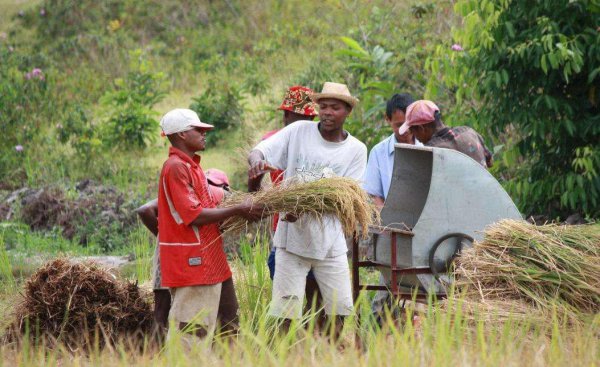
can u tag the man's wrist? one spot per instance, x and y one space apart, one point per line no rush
255 156
256 161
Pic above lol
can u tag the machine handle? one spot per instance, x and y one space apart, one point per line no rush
459 245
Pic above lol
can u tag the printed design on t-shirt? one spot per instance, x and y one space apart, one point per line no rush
308 171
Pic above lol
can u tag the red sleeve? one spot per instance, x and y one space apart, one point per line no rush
181 194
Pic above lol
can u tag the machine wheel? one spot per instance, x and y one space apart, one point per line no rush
460 237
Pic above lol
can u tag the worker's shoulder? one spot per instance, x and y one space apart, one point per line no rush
175 165
463 129
356 144
382 146
302 124
297 128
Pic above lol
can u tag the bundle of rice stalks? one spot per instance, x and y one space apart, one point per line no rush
340 196
75 303
533 270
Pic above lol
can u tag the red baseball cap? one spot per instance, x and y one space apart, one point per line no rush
297 99
420 112
216 177
218 193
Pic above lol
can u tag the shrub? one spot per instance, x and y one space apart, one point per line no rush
373 85
78 130
220 105
27 103
534 70
376 66
131 121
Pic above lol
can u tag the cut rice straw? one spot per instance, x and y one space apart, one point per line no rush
549 269
339 196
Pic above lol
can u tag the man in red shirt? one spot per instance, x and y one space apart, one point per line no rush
218 184
193 263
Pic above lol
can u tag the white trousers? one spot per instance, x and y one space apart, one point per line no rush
332 275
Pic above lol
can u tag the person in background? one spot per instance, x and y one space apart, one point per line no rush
378 175
380 165
424 121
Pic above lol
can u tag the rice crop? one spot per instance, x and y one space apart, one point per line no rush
339 196
524 271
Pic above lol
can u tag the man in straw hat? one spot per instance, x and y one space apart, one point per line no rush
424 121
307 151
296 105
192 261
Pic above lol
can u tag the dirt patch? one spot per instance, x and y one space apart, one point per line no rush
88 211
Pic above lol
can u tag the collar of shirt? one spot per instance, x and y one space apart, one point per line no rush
391 144
441 132
195 161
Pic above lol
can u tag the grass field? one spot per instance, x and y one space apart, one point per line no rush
435 337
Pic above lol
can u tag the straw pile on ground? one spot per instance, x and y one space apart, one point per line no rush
340 196
76 304
528 272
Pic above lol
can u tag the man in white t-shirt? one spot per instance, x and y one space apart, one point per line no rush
307 151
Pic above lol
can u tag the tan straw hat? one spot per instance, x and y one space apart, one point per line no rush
335 91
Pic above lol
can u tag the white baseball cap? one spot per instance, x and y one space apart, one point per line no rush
181 119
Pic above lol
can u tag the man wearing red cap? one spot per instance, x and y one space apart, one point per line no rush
424 121
192 261
296 106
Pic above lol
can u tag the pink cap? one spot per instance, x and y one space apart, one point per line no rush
218 193
420 112
217 177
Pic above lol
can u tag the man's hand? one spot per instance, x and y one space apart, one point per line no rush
250 211
289 217
259 168
378 201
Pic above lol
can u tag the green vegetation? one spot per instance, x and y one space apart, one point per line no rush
87 85
529 77
84 89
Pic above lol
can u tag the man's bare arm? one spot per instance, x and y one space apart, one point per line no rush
214 215
148 214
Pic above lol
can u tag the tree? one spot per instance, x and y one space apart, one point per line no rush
527 73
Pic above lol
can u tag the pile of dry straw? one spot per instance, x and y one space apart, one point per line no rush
75 303
340 196
527 272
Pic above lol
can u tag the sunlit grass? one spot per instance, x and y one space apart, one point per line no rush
433 336
6 270
143 250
